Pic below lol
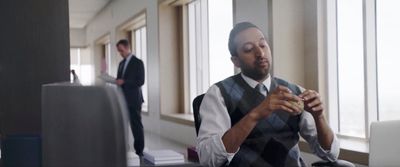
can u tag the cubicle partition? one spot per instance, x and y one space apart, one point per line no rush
83 126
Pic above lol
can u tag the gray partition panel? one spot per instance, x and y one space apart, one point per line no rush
34 50
83 126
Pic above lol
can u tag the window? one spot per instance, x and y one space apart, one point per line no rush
106 59
350 67
388 35
361 63
140 48
220 22
102 55
80 62
209 24
198 80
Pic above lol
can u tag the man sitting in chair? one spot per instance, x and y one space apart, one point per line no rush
254 119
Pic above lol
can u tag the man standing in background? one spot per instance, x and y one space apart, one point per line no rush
130 78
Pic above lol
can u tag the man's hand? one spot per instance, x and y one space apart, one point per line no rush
312 103
120 82
280 99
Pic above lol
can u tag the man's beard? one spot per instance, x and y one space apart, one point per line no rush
254 73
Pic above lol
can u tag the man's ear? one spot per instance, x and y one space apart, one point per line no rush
235 60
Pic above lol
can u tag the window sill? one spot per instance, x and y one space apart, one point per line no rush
353 150
184 119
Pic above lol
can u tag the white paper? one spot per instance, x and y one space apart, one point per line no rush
107 78
162 155
133 159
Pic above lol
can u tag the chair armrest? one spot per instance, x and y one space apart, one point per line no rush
338 163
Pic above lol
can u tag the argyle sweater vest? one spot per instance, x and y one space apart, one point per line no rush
273 141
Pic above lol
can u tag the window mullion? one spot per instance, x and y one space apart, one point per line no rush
204 44
332 65
370 64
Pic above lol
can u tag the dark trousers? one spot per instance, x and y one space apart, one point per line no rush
137 128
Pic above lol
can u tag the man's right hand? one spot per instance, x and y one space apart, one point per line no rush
280 99
120 82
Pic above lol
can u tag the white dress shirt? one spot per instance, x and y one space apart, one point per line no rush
216 121
127 59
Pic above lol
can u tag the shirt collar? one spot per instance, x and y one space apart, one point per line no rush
253 83
128 58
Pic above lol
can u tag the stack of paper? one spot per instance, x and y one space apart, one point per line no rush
160 157
133 159
107 78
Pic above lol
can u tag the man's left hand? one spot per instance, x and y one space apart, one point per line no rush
120 82
312 103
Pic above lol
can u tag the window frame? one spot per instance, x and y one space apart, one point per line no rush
77 65
82 65
179 106
198 67
199 75
145 88
100 50
107 55
370 67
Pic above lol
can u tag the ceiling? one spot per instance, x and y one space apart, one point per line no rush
82 11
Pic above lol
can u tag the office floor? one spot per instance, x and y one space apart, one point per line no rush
156 142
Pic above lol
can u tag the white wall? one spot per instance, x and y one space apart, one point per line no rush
255 11
286 34
77 38
288 39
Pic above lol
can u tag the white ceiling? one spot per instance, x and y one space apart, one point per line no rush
82 11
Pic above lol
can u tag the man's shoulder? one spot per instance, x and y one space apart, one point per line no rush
135 60
228 81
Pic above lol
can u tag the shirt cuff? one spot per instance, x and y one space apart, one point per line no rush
333 153
221 147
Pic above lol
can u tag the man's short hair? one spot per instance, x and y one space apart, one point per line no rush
123 42
239 27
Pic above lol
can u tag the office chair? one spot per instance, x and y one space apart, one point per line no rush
197 122
196 112
83 126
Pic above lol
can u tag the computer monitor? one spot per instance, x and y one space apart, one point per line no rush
384 147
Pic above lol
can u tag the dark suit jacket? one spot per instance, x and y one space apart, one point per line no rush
134 79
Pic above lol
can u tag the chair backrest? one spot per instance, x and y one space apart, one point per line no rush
384 147
83 126
196 111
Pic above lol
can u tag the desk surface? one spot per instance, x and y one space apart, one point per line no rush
187 163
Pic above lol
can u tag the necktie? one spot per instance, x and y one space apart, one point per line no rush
123 66
262 89
120 68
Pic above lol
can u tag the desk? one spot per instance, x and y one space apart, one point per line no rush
187 163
